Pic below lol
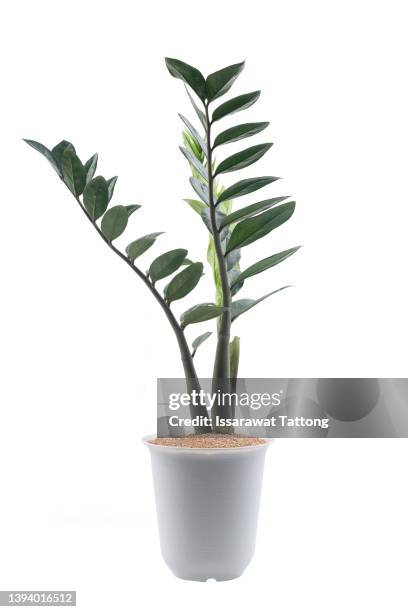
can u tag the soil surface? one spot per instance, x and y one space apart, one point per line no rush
209 441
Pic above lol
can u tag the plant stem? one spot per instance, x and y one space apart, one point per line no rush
221 373
191 377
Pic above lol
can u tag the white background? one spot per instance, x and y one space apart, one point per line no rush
83 343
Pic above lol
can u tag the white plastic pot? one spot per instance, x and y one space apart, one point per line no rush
207 504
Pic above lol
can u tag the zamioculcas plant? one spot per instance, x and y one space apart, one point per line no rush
230 230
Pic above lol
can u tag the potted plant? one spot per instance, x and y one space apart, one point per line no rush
208 485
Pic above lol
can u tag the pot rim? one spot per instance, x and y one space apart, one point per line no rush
205 451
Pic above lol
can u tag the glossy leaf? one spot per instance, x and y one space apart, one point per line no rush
188 74
166 264
131 208
254 228
242 159
45 152
244 187
196 205
248 211
195 134
114 222
199 313
187 262
191 158
235 104
218 83
238 132
111 186
200 189
199 340
96 197
265 264
58 151
184 282
73 172
192 145
241 306
139 246
90 167
198 111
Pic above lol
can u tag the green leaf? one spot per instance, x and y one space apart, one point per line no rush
235 104
195 162
73 172
139 246
192 145
248 211
265 264
45 152
196 205
242 159
234 362
249 230
114 222
184 282
200 189
199 340
199 112
195 134
245 130
188 74
199 313
96 197
90 167
245 186
241 306
187 262
218 83
131 208
58 151
111 186
166 264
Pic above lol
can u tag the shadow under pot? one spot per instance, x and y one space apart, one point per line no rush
207 503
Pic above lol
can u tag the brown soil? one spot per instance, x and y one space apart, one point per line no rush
209 441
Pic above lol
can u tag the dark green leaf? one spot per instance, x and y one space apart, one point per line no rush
199 313
245 130
199 112
242 159
265 264
45 152
187 262
195 134
247 211
218 83
245 186
241 306
114 222
131 208
188 74
73 172
206 217
235 104
111 186
90 167
184 282
199 340
196 205
139 246
58 151
167 264
249 230
195 162
200 189
96 197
